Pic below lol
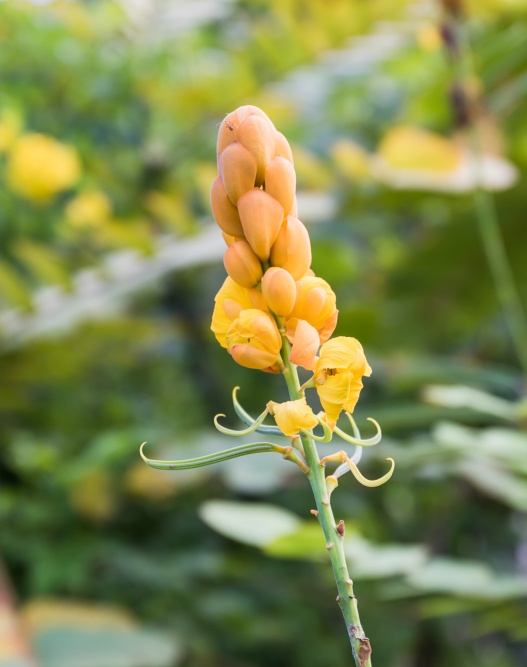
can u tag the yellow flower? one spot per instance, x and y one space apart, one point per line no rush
88 209
229 303
316 304
254 341
406 147
40 167
338 375
293 416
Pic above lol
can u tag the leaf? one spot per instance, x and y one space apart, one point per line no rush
256 524
495 482
459 396
447 575
305 543
375 561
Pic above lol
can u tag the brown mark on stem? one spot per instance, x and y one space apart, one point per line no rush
314 512
340 527
364 649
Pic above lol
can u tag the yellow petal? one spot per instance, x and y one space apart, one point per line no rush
229 302
306 342
293 416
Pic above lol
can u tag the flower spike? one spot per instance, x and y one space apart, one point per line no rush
356 439
247 419
246 431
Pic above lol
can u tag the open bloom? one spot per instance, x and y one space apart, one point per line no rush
338 375
254 341
229 303
293 416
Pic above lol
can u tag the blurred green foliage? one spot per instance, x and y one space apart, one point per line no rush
439 553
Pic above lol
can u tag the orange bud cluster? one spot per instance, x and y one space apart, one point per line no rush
268 249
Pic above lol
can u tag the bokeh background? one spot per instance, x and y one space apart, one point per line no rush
109 262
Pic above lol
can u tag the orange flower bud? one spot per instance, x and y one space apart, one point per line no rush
282 147
338 375
229 303
280 181
231 123
223 210
294 208
237 170
257 134
253 340
279 291
261 217
229 240
315 303
242 265
292 248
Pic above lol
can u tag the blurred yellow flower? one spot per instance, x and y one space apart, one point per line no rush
351 159
88 209
429 38
229 302
338 375
93 497
406 147
40 167
254 341
293 416
10 125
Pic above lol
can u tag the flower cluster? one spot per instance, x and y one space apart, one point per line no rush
271 297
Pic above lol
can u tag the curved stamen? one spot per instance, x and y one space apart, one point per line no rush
247 419
245 431
225 455
370 482
328 433
344 467
357 440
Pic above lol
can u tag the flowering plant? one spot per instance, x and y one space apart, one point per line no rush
273 314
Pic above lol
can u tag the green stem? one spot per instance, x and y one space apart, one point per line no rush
501 272
487 217
360 644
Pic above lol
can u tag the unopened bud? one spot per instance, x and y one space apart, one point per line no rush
229 240
238 170
242 265
257 134
282 147
224 211
261 217
280 181
231 123
279 291
292 248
